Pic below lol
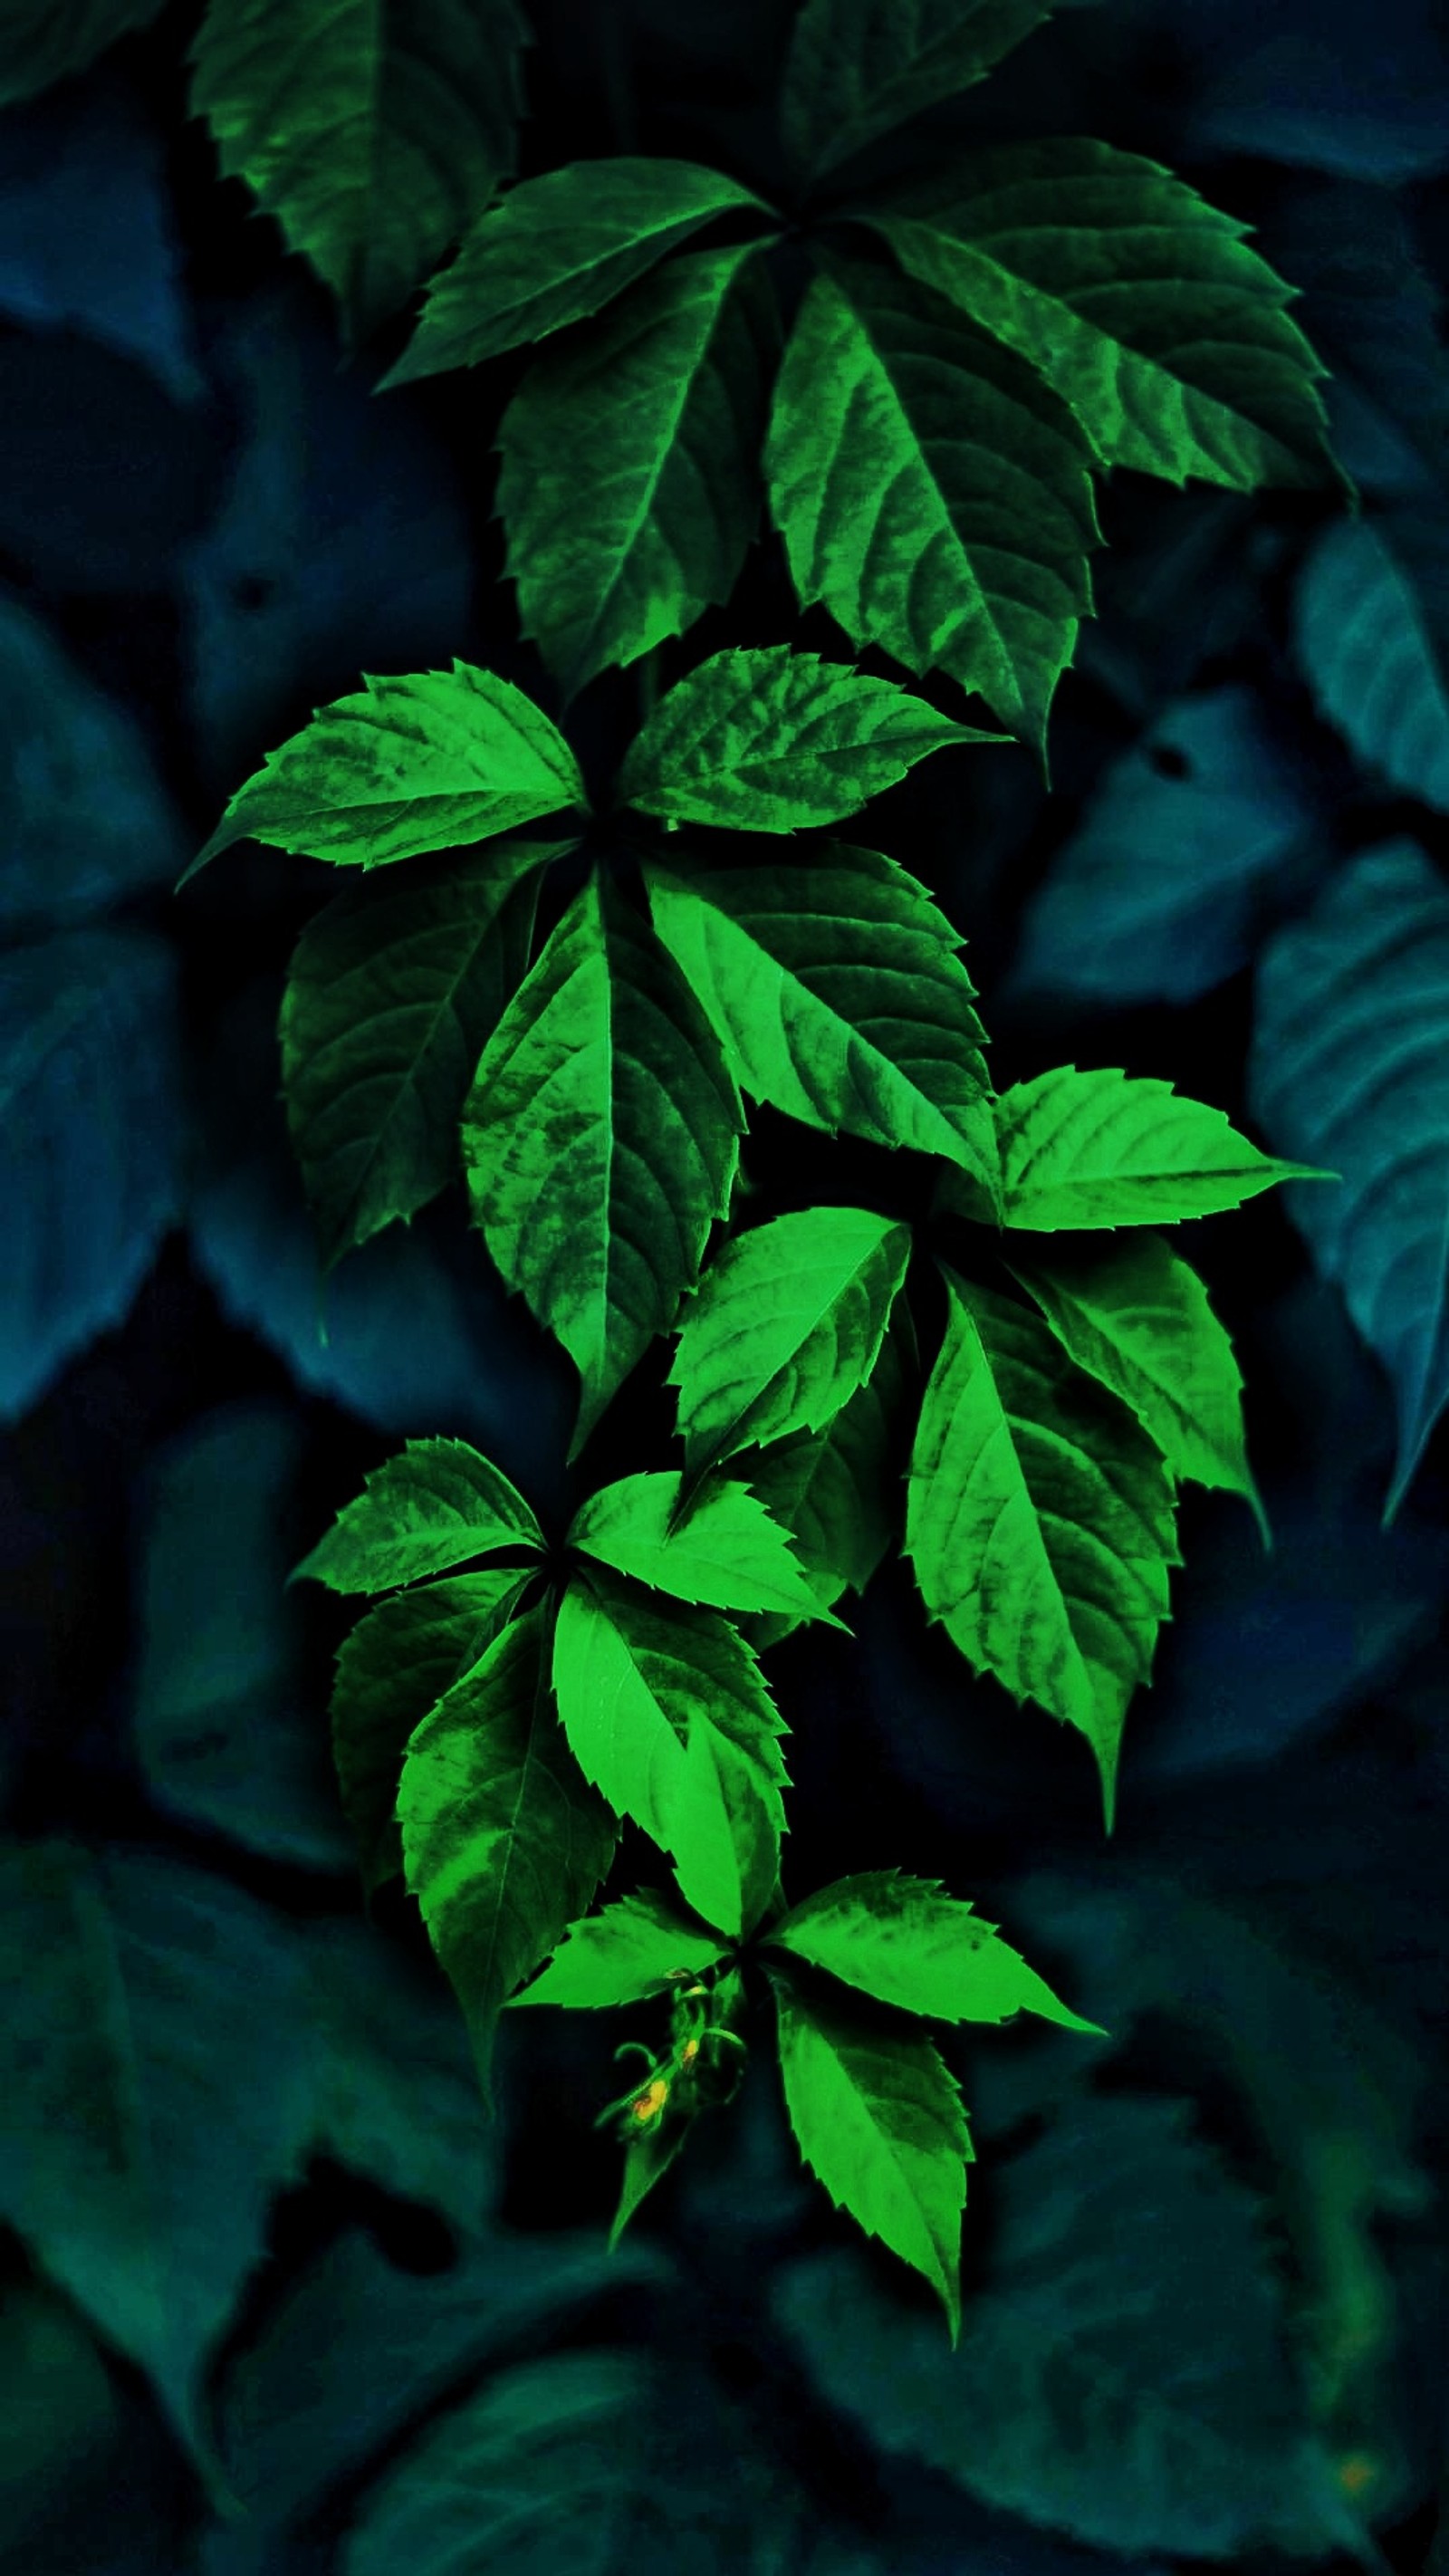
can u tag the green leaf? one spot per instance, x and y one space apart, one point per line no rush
504 1842
1141 305
629 476
392 1668
431 1507
1137 1316
421 762
1371 619
1350 1057
1039 1520
554 250
600 1140
932 491
1106 1148
43 41
877 2116
636 1947
783 1328
838 996
906 1942
392 992
668 1713
728 1553
766 739
375 134
856 68
830 1488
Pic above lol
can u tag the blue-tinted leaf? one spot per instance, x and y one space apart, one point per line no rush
89 1142
1372 621
1310 82
1371 311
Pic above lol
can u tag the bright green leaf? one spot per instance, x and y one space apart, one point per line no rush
932 491
838 994
554 250
1039 1520
729 1553
392 1668
374 133
668 1713
600 1140
422 762
635 1947
1141 305
430 1508
392 991
43 41
832 1489
1106 1148
1137 1316
783 1328
766 739
856 68
877 2116
629 475
906 1942
504 1842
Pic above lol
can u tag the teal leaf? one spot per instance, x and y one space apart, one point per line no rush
392 1668
668 1713
878 2119
638 1946
49 40
785 1325
1039 1520
556 249
932 491
833 1489
374 135
838 995
392 992
1141 305
906 1942
728 1553
1135 1315
600 1140
504 1841
429 1509
421 762
629 476
856 68
766 739
1105 1148
1349 1055
90 1117
1371 622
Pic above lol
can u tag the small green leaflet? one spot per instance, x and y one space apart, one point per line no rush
422 762
878 2119
832 1489
1137 1316
554 250
906 1942
932 491
504 1842
1039 1520
856 68
728 1553
375 134
838 994
668 1713
392 1667
783 1328
770 740
629 475
600 1140
633 1948
1142 306
1107 1148
393 989
432 1507
47 40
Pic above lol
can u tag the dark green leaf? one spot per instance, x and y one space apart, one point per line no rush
629 475
728 1553
600 1140
554 250
1105 1148
636 1947
42 41
932 491
856 68
906 1942
830 1488
433 1506
1372 633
